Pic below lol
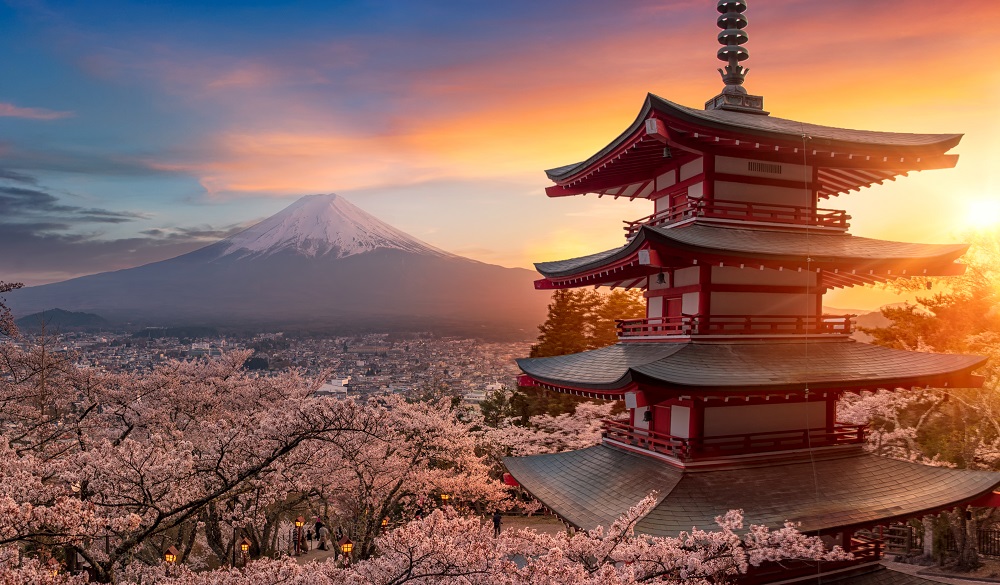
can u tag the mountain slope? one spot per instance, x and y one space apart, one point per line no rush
321 262
320 225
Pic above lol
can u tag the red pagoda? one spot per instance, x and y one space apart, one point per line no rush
731 381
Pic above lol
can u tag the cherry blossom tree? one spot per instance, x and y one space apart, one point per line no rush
7 325
447 547
411 454
143 455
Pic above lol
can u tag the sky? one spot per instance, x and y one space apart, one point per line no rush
132 132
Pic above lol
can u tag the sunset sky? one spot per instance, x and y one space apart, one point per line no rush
135 131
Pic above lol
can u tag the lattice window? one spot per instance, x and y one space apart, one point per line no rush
763 167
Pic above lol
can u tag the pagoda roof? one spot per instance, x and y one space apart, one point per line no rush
847 159
730 369
833 490
836 255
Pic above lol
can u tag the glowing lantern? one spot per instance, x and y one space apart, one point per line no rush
170 555
346 546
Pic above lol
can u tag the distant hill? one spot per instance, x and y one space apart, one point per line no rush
320 263
61 320
865 318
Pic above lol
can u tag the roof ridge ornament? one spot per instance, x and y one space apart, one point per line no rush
734 97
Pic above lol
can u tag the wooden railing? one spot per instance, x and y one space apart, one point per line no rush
864 551
742 210
739 444
735 325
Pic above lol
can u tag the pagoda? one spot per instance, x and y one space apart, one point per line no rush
731 381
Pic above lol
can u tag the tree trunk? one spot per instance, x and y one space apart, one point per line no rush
965 529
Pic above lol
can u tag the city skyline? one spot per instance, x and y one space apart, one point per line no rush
136 133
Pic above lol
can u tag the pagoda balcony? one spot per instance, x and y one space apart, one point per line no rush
743 211
687 449
685 325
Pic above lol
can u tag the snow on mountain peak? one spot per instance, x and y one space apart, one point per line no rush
318 225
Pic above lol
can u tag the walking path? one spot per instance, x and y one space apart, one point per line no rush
316 554
915 570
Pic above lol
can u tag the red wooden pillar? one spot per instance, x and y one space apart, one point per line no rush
696 426
831 412
845 541
708 166
705 291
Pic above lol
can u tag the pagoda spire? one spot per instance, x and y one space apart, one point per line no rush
733 21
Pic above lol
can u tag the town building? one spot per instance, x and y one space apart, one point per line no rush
732 379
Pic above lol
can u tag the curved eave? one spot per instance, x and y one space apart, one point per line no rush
863 260
721 369
781 130
592 487
847 159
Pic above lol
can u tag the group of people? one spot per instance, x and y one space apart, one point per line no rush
322 535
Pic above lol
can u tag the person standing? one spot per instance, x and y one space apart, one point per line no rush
324 536
497 519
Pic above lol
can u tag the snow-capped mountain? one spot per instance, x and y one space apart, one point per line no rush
320 225
319 263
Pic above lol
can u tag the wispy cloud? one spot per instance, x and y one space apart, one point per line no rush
19 204
11 111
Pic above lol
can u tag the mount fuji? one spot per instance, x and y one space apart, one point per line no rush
319 263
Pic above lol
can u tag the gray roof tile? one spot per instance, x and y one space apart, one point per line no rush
737 366
760 244
824 494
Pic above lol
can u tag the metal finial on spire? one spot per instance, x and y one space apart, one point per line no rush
734 97
732 22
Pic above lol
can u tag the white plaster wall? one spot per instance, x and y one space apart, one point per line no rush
763 194
666 179
689 304
737 275
655 307
740 166
680 421
686 276
734 420
734 303
695 167
697 190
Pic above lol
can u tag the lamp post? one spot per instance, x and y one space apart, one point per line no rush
299 523
444 499
245 549
53 567
385 523
170 556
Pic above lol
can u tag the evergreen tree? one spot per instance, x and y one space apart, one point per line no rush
567 327
583 319
618 304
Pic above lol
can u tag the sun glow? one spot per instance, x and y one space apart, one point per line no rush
983 213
